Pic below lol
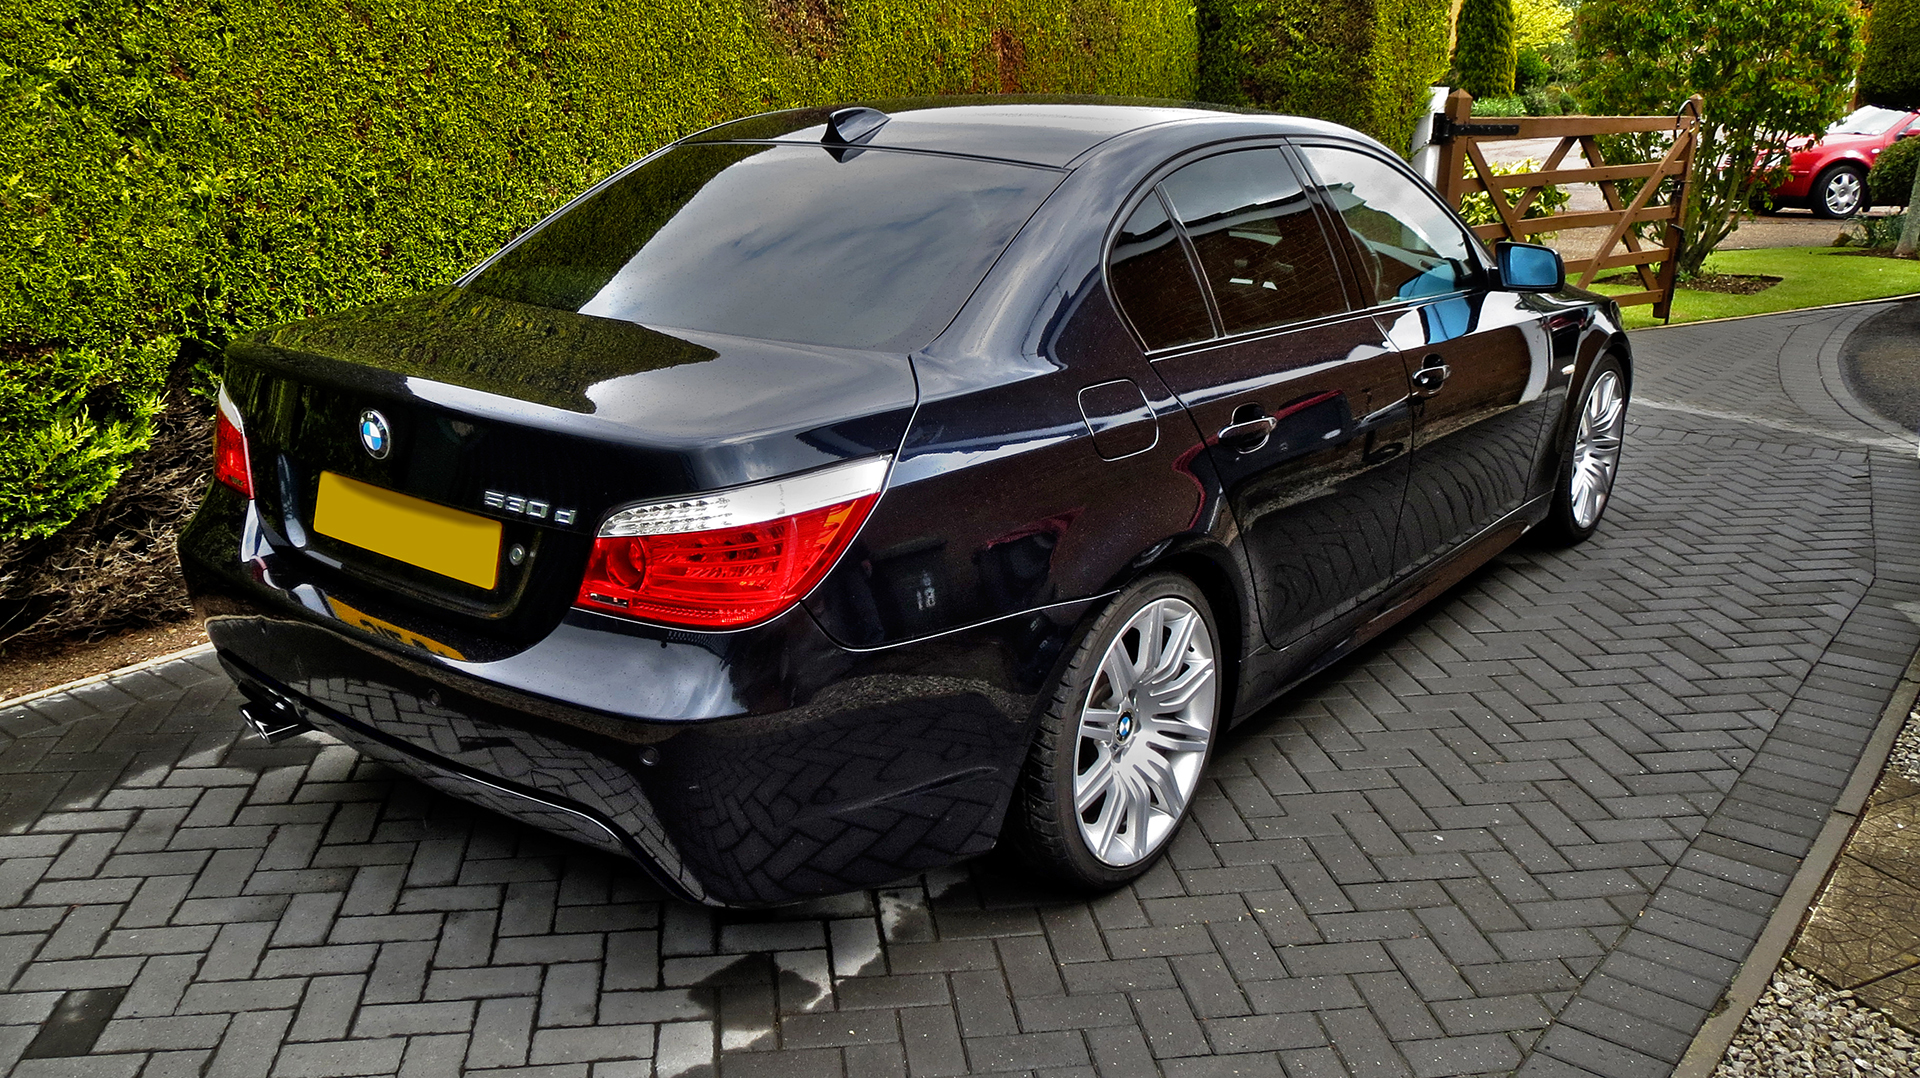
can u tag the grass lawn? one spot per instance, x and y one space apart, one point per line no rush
1809 277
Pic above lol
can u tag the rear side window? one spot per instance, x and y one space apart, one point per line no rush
1260 246
870 249
1154 283
1409 246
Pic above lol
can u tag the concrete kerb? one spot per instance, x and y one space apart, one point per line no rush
1773 314
81 683
1756 973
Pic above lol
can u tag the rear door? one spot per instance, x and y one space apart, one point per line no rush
1299 397
1478 357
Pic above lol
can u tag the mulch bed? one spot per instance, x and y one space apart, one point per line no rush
42 665
1874 252
1731 284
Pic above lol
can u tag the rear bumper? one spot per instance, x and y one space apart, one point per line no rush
740 769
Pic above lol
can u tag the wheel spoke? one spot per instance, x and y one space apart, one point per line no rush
1176 736
1106 827
1098 722
1136 807
1119 672
1098 779
1157 774
1180 638
1176 693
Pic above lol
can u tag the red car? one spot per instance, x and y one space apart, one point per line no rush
1829 175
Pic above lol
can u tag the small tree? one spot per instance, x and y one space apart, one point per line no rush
1768 69
1484 50
1890 77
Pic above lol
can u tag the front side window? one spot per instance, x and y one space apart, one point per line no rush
1259 244
1409 246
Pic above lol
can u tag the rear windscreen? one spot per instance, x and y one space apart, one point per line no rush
787 243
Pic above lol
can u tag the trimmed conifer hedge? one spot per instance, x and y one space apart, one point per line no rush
1364 63
174 172
1485 54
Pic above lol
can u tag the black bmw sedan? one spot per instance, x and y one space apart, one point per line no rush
831 494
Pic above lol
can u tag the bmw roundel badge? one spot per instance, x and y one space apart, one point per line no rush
374 434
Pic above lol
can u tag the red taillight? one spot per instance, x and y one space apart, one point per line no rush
230 447
668 562
723 578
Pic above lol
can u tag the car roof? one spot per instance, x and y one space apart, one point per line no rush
1051 131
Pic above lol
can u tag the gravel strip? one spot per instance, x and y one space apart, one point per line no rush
1906 750
1802 1028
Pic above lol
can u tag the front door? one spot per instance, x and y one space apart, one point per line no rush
1300 398
1478 358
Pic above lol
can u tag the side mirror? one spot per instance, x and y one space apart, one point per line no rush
1529 267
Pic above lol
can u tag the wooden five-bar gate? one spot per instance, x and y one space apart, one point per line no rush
1458 137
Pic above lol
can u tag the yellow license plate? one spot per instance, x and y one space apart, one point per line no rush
388 629
447 541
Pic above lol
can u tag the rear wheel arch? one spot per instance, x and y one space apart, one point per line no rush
1233 613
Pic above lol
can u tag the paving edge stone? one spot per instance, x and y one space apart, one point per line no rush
1773 314
95 679
1756 972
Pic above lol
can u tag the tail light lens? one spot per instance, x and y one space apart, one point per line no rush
725 560
230 465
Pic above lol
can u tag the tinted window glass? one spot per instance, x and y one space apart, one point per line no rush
1260 247
1154 283
783 243
1409 245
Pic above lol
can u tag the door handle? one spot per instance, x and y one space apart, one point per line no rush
1245 435
1431 376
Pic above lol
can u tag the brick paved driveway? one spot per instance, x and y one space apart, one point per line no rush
1536 829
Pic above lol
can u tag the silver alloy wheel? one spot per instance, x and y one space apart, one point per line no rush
1596 448
1842 192
1144 732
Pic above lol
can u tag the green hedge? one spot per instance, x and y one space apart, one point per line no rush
1364 63
1891 181
175 172
1890 71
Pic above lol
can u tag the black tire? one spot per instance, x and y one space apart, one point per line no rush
1840 192
1045 829
1572 520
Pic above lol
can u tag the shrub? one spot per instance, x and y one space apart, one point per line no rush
1511 105
1892 177
1484 48
1476 209
1884 232
172 175
1364 63
1549 101
1767 71
1531 70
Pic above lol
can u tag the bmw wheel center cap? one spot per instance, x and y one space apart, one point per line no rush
374 435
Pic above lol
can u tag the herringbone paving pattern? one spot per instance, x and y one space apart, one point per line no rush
1535 829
